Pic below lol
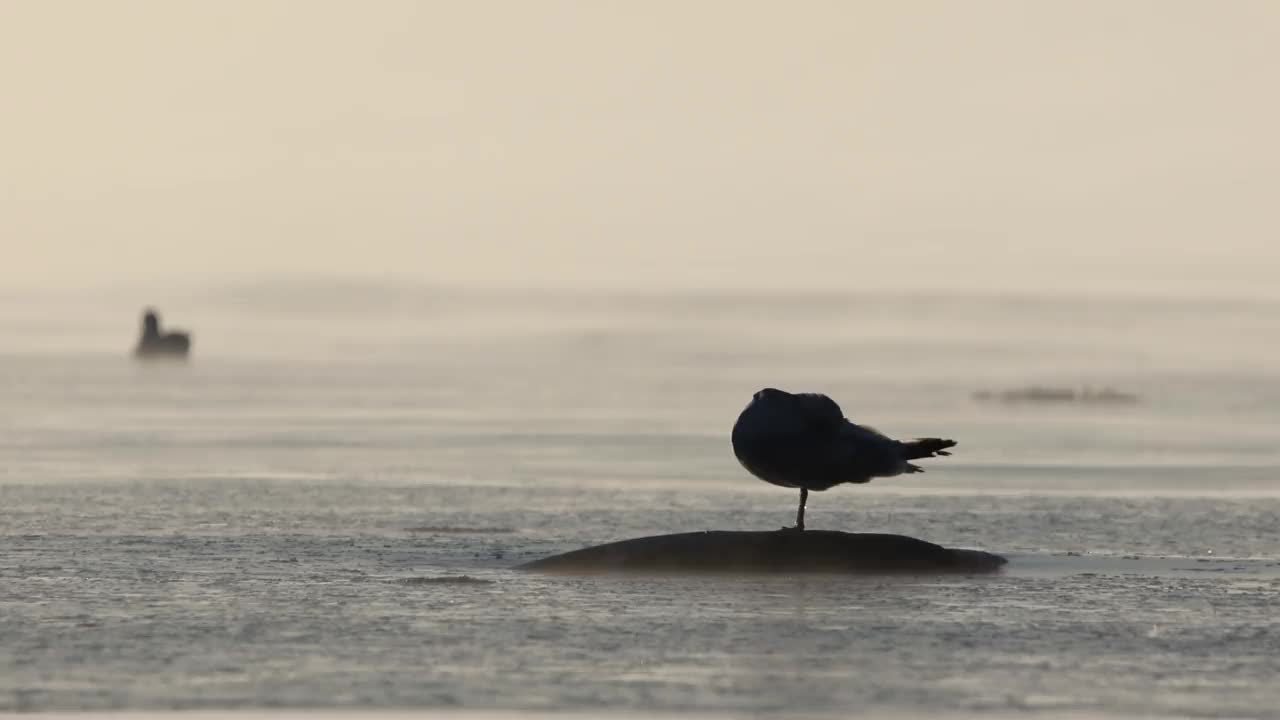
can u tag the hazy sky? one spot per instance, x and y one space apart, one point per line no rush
860 144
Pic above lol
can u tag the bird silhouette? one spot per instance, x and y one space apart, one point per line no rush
156 344
804 441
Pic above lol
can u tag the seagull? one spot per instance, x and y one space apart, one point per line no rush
804 441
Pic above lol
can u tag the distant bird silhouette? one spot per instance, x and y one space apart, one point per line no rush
804 441
155 344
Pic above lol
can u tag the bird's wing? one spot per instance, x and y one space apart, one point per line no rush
864 433
866 452
820 411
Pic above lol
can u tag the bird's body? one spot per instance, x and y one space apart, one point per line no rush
155 344
804 441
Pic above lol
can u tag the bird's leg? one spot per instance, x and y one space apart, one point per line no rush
799 526
804 497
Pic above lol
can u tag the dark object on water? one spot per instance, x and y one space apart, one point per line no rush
804 441
815 551
154 344
1039 394
446 580
442 529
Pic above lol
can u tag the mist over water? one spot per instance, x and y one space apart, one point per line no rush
393 368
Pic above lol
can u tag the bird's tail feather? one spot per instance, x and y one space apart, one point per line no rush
926 447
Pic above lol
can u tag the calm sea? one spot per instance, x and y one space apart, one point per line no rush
322 508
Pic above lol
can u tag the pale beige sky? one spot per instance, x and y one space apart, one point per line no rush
728 144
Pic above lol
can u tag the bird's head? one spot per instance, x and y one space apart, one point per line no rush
151 322
770 395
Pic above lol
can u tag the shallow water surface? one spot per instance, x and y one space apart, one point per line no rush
322 523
